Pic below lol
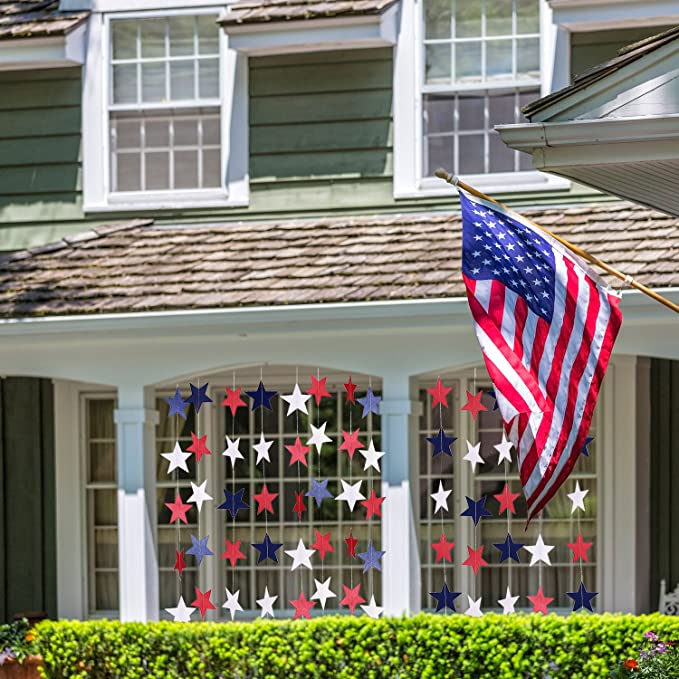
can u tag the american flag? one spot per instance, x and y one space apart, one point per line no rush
546 323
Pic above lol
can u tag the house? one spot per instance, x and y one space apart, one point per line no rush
228 194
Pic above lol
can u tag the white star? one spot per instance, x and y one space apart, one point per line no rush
474 609
539 552
296 401
262 449
505 449
577 498
440 497
182 612
232 451
266 603
199 495
351 493
232 602
473 456
372 610
318 437
177 459
508 602
323 592
371 456
300 556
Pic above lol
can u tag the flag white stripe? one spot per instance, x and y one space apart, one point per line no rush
508 318
482 293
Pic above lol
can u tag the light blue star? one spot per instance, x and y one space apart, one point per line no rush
177 404
371 558
319 491
370 403
199 549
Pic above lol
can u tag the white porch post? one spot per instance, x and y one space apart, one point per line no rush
135 421
400 410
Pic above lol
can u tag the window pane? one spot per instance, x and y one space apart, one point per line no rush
208 34
106 586
500 157
499 17
181 35
468 61
211 131
153 82
527 16
439 114
182 80
185 133
102 462
185 169
437 18
106 548
471 154
498 59
100 418
124 39
127 134
440 153
437 63
157 171
152 37
208 78
128 172
157 133
467 19
124 83
105 508
211 172
470 113
528 57
501 109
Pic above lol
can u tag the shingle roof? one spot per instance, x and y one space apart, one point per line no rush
36 19
263 11
138 266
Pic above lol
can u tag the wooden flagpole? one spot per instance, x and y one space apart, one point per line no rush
458 183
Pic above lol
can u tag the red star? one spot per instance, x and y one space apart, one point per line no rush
203 601
318 389
475 559
579 548
265 500
540 602
179 563
198 446
443 549
178 509
351 443
506 499
351 544
350 389
373 504
302 607
352 597
232 552
298 452
233 399
322 544
299 507
473 404
439 394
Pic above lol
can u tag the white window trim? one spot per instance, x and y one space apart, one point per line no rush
233 75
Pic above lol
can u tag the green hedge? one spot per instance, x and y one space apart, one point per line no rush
424 646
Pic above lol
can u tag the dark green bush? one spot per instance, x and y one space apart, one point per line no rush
425 646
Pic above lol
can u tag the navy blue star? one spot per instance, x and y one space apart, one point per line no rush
261 398
370 403
441 443
177 404
491 393
233 502
371 558
319 491
267 549
582 598
198 397
476 509
199 549
588 440
445 598
509 549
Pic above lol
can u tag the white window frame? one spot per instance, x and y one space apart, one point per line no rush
233 101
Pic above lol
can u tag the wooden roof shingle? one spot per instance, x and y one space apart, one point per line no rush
36 19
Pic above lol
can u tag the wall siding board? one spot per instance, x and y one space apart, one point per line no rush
370 54
23 151
27 122
54 178
41 94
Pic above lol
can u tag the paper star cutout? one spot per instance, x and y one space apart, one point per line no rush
232 552
178 509
582 598
233 400
370 403
296 401
177 404
506 499
351 493
584 450
182 612
262 449
203 602
351 544
322 545
298 452
508 603
577 497
372 457
266 603
474 405
267 549
439 394
302 607
179 563
264 500
198 396
445 598
199 549
373 504
352 597
299 507
473 456
443 549
198 447
232 451
300 556
177 459
504 448
539 552
441 443
475 559
318 389
476 509
350 443
372 610
318 437
323 592
350 388
371 558
232 603
261 398
233 502
199 494
440 497
509 549
540 602
579 549
474 609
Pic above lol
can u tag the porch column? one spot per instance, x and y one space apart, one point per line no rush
400 410
135 421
